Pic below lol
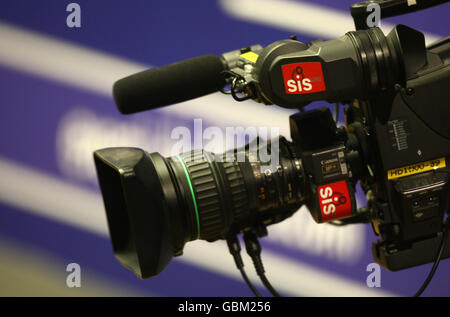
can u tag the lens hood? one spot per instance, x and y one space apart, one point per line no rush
136 208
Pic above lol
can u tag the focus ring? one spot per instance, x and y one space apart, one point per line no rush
206 194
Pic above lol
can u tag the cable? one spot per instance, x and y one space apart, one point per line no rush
235 249
254 251
249 283
336 112
437 260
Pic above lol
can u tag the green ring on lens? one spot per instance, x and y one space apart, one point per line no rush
192 192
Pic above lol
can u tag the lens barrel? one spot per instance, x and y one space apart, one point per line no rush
155 205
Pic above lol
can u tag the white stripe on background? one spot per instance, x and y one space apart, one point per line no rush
297 16
62 61
96 71
44 195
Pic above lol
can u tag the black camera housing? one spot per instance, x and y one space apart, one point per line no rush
396 143
410 129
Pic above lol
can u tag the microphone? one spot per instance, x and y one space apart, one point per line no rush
170 84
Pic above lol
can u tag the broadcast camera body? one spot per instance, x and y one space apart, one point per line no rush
396 145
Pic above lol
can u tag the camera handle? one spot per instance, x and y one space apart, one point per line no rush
389 8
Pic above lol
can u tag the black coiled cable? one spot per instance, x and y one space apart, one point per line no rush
438 258
254 251
235 249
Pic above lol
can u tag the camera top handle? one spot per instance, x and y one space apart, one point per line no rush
389 8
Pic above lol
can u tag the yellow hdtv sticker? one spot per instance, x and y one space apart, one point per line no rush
416 168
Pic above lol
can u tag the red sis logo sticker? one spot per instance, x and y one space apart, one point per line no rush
334 201
303 78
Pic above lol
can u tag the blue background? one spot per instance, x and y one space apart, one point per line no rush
34 111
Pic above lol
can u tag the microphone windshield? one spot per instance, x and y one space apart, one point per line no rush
170 84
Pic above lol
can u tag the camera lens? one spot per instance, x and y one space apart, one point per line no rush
155 205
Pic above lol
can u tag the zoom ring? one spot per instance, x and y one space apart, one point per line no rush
210 213
238 191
